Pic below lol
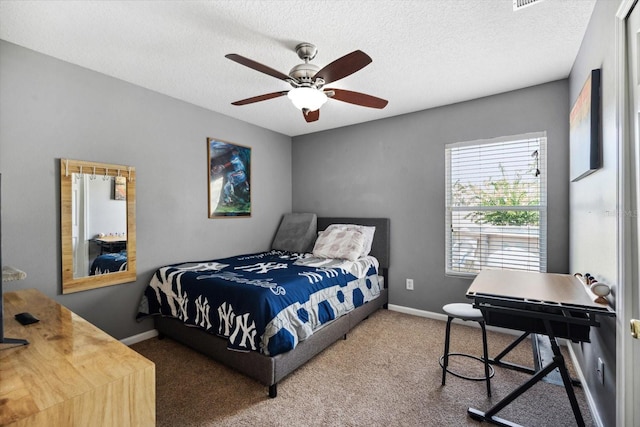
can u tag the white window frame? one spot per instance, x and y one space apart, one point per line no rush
450 241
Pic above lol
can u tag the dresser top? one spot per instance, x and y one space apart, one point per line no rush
66 357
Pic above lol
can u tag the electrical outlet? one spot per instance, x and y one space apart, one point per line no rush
600 371
409 284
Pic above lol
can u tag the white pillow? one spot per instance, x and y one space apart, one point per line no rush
367 231
342 244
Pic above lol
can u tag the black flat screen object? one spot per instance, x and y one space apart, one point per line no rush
26 318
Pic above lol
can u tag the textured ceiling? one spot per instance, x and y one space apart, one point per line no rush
425 53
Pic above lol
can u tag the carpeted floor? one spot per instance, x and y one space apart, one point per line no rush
385 374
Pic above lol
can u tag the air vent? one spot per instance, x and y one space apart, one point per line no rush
520 4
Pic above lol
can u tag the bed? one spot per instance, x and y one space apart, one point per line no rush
109 263
268 349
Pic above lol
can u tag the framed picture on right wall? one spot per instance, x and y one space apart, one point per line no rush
584 129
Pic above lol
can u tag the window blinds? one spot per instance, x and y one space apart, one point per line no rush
496 204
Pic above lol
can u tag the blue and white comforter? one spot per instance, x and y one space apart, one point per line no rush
109 263
267 301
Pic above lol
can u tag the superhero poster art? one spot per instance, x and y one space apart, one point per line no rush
229 179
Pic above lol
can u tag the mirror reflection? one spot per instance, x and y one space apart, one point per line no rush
97 216
100 233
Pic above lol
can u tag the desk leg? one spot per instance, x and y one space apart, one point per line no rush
558 359
13 341
489 415
498 359
558 362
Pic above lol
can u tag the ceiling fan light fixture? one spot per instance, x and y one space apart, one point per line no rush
307 98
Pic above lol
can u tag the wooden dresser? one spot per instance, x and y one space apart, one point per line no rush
71 373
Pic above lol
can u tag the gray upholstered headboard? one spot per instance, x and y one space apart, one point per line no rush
381 247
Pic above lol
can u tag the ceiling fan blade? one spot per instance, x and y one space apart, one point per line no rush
311 116
343 67
357 98
259 98
257 66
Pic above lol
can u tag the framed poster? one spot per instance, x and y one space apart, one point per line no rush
584 129
229 179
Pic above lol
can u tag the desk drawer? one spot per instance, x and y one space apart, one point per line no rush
561 329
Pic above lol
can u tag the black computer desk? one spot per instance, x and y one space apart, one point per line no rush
555 305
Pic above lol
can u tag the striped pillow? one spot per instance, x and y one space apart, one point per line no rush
342 244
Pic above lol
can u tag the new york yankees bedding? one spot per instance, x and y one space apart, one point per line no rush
109 263
266 302
270 370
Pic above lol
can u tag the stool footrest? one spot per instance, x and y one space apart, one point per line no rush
492 371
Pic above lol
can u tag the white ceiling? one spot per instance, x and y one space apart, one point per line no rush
426 53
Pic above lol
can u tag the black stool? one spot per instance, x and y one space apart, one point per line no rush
466 312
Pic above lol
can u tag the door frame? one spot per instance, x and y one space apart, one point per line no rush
627 253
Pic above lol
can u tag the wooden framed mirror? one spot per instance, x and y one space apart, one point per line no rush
97 224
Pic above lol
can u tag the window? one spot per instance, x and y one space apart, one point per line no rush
496 210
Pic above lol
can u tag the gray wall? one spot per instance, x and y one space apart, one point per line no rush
50 109
395 168
594 203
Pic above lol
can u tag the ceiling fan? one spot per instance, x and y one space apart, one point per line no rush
308 80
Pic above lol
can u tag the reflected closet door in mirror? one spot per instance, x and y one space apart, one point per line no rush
97 215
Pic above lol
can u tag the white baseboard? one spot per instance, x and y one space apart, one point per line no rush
416 312
590 401
443 317
140 337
